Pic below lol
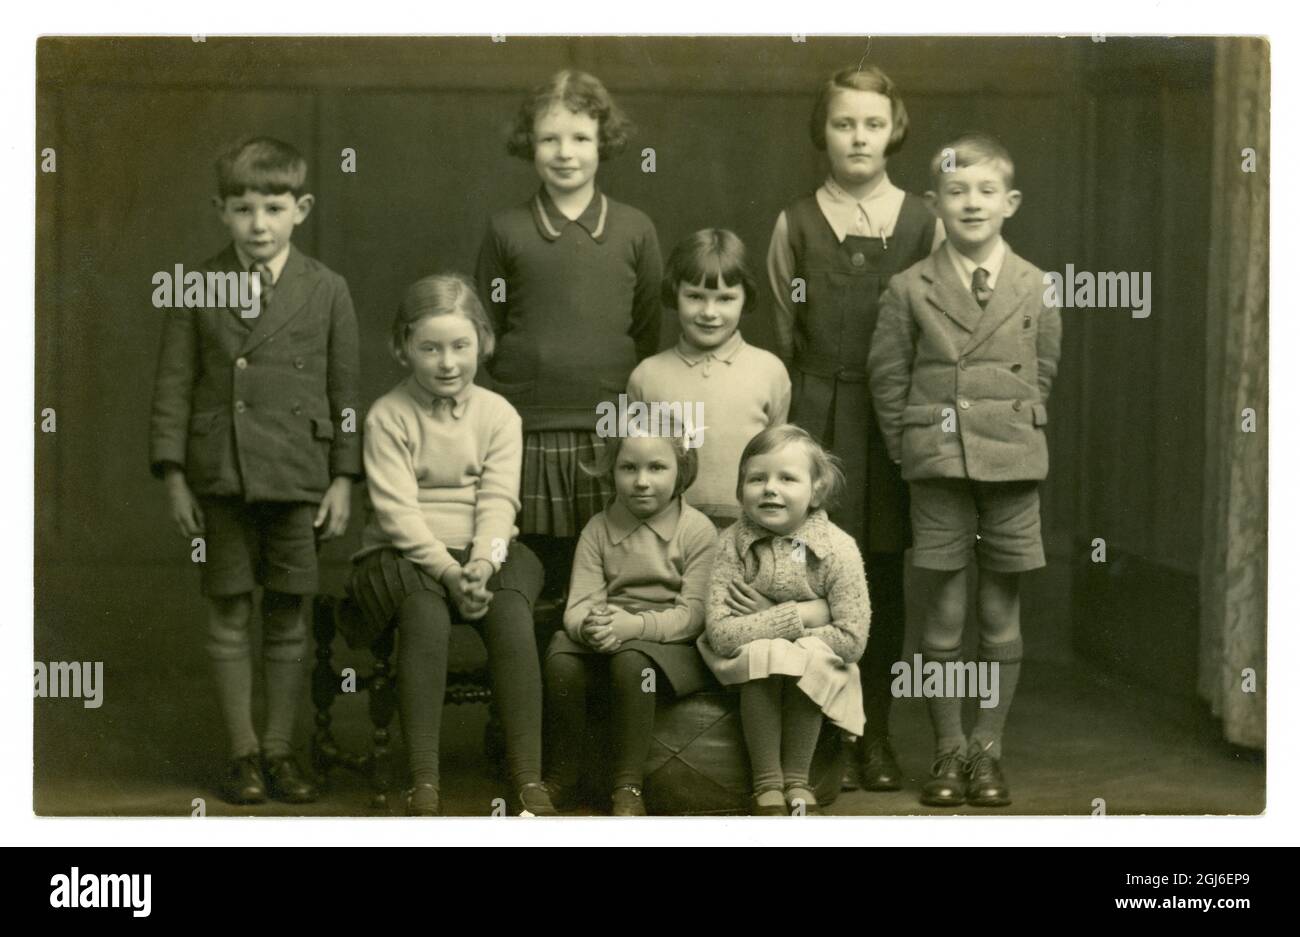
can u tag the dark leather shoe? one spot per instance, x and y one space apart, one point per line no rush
422 801
287 783
627 802
243 783
852 779
879 770
947 784
535 801
985 785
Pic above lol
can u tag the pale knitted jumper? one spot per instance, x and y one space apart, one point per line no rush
442 473
743 390
658 567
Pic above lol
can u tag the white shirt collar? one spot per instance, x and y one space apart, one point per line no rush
872 216
275 264
966 267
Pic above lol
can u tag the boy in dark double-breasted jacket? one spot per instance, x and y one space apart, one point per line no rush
961 364
253 432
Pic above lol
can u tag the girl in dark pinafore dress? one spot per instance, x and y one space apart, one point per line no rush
831 257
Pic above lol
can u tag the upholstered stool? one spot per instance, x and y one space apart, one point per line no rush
698 763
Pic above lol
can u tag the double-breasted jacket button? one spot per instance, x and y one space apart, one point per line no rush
298 363
963 403
964 363
241 363
240 406
1015 405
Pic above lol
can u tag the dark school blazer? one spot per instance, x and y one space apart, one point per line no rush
256 407
961 392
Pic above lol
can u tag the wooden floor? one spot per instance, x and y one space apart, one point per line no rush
156 743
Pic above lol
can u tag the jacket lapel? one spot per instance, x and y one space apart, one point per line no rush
1013 283
228 262
948 295
291 293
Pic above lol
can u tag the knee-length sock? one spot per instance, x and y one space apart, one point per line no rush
885 643
801 724
232 667
566 717
284 659
632 715
945 711
423 632
760 718
990 722
507 631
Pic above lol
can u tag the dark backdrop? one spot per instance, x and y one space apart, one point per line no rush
1112 146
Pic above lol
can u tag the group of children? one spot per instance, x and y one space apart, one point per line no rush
915 356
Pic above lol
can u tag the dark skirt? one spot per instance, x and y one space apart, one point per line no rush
680 664
558 496
383 579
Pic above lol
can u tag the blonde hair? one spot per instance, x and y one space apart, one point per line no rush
827 473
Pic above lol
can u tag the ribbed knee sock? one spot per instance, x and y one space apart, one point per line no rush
760 717
801 724
945 711
990 722
228 650
284 657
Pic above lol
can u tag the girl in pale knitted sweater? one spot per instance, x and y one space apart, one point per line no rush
788 614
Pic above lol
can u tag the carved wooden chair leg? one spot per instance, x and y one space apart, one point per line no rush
383 704
324 687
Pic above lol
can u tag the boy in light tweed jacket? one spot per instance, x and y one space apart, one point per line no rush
961 364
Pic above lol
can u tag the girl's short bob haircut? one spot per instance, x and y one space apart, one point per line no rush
580 93
860 79
707 257
827 474
688 461
442 294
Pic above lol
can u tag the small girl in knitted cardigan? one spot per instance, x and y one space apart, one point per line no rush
788 614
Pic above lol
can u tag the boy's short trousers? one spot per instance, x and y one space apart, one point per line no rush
266 543
956 519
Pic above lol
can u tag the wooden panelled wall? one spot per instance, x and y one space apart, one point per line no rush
1112 155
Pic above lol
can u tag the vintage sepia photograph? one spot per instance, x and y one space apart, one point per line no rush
651 426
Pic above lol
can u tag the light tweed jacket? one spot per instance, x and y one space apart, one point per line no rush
961 392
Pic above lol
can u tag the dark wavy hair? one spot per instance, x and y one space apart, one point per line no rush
581 93
860 79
